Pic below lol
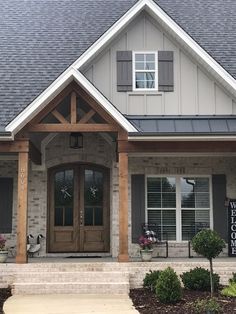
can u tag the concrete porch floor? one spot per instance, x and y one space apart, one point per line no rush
108 259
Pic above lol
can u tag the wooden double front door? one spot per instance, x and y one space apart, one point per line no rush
79 209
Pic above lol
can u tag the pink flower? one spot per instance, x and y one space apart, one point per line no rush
145 243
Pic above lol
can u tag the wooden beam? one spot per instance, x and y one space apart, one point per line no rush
59 117
22 208
14 146
123 208
165 147
72 128
34 154
87 116
92 103
73 108
52 105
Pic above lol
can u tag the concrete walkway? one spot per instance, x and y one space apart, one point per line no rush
69 304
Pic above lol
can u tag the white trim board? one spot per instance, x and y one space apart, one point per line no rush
73 71
187 138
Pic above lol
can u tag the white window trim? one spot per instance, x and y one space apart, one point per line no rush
134 71
178 201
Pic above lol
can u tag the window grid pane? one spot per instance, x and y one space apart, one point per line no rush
161 201
145 70
166 222
195 205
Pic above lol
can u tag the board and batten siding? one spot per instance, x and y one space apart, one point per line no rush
195 92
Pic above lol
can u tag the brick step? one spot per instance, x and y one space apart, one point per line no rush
121 288
60 277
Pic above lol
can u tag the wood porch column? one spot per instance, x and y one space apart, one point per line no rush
123 207
22 208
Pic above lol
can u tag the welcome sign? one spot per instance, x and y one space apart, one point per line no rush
232 228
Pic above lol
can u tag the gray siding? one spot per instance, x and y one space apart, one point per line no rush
195 91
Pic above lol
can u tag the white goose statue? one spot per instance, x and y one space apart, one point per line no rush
28 241
34 248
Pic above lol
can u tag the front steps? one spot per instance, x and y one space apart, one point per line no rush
55 276
71 282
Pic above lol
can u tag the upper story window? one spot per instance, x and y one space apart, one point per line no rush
145 71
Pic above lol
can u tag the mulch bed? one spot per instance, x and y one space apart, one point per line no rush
146 302
4 294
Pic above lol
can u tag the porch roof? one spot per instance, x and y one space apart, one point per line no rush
183 125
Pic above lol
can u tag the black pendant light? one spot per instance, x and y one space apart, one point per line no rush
76 140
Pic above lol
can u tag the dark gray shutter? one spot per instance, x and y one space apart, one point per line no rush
124 71
165 71
6 199
137 205
219 210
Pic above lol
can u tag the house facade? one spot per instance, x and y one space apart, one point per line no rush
136 127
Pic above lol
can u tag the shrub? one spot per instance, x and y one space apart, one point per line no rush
206 306
150 279
199 279
231 280
209 244
168 287
229 291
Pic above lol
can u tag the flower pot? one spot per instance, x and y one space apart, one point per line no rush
146 255
3 256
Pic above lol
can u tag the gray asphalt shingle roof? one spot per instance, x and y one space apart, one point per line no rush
40 39
184 125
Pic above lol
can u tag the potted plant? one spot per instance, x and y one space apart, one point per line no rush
3 250
146 248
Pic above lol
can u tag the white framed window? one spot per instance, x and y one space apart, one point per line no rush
179 205
144 70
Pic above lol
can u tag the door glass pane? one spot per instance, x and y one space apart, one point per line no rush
93 198
68 216
88 216
64 197
93 188
98 216
63 191
58 216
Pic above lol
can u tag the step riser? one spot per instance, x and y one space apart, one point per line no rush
97 288
72 277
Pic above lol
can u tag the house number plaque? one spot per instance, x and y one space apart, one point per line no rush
232 228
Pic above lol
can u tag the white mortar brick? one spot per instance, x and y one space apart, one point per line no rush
96 150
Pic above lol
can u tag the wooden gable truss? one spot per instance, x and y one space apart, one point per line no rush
73 122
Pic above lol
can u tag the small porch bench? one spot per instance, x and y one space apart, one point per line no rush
155 230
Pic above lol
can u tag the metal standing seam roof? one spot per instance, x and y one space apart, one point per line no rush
184 125
40 39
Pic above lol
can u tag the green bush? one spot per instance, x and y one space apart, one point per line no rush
168 287
206 306
150 279
231 280
229 291
199 279
209 244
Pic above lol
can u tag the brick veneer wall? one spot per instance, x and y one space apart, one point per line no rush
97 150
179 166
